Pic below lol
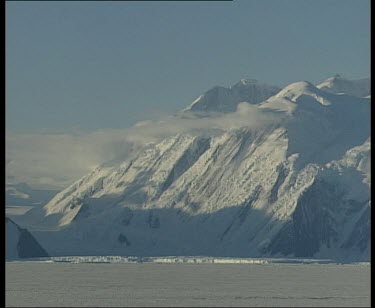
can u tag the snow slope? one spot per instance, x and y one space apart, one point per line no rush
296 187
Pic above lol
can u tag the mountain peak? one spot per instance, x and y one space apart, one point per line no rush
244 82
296 89
294 96
223 99
299 86
338 84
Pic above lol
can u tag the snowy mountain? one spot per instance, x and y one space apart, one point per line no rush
222 99
296 186
338 84
20 243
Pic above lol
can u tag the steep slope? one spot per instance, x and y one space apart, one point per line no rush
338 84
331 218
296 187
221 99
20 243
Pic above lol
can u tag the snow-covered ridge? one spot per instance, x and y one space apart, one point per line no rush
338 84
222 99
300 94
295 90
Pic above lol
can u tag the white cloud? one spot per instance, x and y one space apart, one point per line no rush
56 160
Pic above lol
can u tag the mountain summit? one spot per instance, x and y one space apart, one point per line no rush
222 99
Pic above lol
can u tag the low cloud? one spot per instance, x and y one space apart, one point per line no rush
56 160
50 160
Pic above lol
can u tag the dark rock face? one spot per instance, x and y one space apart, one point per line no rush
315 222
27 246
283 242
83 211
280 179
192 154
153 221
312 221
360 236
127 216
123 239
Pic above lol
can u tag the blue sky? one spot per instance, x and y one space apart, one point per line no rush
98 65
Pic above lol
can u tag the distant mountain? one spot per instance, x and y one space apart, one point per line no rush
22 194
20 243
297 186
221 99
338 84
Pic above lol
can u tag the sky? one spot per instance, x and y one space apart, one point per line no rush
78 71
95 65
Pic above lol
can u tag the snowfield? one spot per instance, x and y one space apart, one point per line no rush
34 284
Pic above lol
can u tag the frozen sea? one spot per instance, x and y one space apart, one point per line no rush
186 284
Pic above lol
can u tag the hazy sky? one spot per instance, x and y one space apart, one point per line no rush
90 65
